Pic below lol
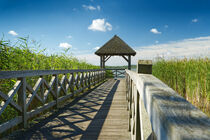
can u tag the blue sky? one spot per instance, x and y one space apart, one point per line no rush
152 27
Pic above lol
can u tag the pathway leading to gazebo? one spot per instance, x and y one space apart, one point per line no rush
101 114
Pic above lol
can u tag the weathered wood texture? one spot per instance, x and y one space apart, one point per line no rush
144 66
30 73
70 83
101 114
171 116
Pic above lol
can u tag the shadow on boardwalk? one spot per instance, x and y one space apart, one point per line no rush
81 119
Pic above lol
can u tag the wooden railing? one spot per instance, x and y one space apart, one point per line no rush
158 112
116 72
51 88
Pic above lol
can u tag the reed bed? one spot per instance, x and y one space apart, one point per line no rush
25 54
189 77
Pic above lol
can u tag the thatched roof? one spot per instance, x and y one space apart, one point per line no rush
115 46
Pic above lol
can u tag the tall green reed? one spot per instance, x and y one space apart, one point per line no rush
189 77
25 54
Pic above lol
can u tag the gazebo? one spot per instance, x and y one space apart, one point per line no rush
115 47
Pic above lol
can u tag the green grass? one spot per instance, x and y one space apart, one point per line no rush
25 54
189 77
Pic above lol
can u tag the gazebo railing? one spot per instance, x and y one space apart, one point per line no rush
116 72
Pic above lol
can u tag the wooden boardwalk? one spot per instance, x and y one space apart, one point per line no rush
101 114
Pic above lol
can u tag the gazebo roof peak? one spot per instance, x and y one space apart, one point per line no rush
115 46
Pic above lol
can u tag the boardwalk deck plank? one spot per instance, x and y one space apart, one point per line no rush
101 114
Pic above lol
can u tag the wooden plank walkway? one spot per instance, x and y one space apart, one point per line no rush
101 114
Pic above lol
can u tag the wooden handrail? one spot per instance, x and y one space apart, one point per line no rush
30 73
115 69
170 115
69 82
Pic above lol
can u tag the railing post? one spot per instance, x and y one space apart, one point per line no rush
137 116
72 84
94 78
88 76
144 67
104 74
42 89
56 89
132 112
64 83
130 103
82 81
98 77
116 73
22 100
126 86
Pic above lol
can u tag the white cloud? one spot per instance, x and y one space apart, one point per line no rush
69 37
108 26
99 8
90 7
96 48
195 20
155 31
190 48
193 47
156 41
100 25
12 33
65 45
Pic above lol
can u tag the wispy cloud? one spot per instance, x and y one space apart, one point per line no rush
98 7
12 33
100 25
90 7
65 45
195 20
69 36
156 41
192 47
155 31
96 48
166 26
